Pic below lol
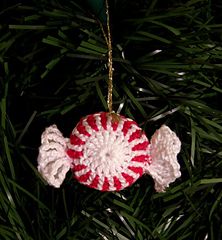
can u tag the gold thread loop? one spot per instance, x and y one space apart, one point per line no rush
110 62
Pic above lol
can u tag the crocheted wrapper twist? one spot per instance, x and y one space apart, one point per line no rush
165 169
108 154
53 162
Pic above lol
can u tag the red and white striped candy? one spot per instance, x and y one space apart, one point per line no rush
108 154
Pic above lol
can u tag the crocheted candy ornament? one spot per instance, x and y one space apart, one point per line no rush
109 153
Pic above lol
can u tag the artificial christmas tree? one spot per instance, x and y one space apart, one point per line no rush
53 69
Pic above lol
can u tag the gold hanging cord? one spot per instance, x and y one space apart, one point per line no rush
110 59
110 63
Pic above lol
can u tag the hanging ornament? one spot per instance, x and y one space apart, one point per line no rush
109 154
107 151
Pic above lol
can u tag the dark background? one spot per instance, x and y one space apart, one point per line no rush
53 69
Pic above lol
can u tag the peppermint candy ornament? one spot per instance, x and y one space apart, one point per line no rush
109 152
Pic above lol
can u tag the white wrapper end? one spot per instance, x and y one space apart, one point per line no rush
164 168
53 162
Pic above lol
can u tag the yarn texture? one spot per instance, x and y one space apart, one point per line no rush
109 153
53 162
165 146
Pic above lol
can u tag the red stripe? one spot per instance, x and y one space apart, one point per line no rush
78 167
92 122
103 117
74 140
84 177
126 126
141 158
138 170
81 128
140 146
114 125
94 182
105 184
135 135
129 179
74 154
117 183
